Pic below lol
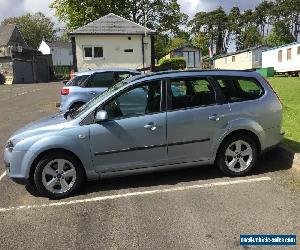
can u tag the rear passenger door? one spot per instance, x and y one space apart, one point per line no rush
195 116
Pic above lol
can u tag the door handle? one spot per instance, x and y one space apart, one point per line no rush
93 93
151 126
215 117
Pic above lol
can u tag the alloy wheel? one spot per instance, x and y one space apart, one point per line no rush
59 176
238 156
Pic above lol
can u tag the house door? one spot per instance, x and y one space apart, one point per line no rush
22 71
190 58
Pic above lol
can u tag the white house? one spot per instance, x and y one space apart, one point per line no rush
112 41
250 58
284 59
61 52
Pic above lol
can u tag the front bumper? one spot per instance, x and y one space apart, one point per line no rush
13 161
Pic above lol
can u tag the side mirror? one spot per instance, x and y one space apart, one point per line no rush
64 82
101 116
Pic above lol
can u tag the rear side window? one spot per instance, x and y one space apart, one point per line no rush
189 93
240 89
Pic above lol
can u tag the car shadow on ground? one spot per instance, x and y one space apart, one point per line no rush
276 159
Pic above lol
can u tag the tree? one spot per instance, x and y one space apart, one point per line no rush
280 34
162 15
161 44
263 16
34 28
201 41
251 37
288 11
214 25
177 42
234 26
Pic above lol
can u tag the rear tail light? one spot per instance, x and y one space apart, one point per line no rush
273 90
64 91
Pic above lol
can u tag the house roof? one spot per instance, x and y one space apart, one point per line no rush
7 35
112 24
282 46
241 51
181 47
6 31
60 45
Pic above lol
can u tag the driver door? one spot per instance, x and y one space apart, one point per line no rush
134 136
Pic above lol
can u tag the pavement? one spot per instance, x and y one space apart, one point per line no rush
194 208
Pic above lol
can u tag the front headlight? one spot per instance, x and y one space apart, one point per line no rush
10 145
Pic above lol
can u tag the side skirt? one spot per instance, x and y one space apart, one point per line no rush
138 171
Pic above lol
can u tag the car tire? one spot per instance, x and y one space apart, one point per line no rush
237 155
58 175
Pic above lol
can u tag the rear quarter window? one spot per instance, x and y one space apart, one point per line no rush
236 89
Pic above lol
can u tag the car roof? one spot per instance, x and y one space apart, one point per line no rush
90 72
191 73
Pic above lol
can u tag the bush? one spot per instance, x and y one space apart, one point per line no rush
172 63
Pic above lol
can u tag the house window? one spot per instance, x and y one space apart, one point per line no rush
98 52
225 60
129 38
128 50
289 54
280 56
233 59
93 52
298 50
88 52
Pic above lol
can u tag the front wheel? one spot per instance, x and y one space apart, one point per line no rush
237 155
58 175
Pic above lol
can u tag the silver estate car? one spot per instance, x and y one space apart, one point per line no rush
88 84
181 119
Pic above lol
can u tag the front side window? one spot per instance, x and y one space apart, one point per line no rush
140 100
240 89
122 75
188 93
102 79
77 80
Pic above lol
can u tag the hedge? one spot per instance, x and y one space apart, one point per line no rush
172 63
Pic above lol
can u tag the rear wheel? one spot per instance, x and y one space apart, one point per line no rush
58 175
237 155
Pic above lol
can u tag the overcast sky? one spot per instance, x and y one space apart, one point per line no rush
19 7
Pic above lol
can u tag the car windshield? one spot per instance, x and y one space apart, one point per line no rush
77 80
97 99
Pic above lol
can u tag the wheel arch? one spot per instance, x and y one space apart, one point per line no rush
48 151
241 132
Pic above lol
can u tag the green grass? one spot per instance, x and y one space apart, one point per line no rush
288 89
